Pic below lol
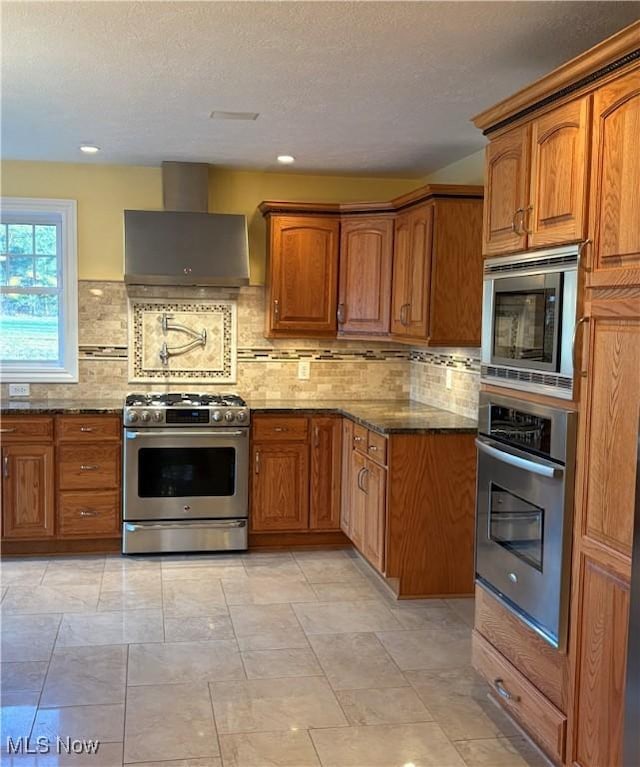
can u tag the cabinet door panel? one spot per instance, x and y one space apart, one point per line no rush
326 462
304 274
27 491
420 242
358 500
345 504
559 175
365 275
401 269
375 485
280 487
615 186
612 407
506 192
601 664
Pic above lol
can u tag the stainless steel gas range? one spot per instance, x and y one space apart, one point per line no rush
186 459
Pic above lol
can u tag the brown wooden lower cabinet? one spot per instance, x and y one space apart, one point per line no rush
84 510
27 491
295 475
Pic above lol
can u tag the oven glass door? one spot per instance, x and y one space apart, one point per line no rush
522 534
175 474
526 321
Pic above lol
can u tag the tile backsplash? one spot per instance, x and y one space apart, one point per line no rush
266 368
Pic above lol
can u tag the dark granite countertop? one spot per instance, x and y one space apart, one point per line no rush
383 416
60 407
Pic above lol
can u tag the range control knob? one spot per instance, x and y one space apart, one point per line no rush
157 416
145 416
217 416
132 416
228 416
241 416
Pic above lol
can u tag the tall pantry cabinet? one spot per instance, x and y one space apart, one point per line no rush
563 165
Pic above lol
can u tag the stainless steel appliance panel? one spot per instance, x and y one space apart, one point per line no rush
187 536
157 460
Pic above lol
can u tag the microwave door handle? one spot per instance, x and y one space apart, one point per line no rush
516 460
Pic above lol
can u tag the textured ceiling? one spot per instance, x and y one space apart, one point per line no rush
377 87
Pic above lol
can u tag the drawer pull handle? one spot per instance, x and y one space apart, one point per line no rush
88 513
372 448
503 692
7 430
89 467
357 439
5 467
86 428
280 428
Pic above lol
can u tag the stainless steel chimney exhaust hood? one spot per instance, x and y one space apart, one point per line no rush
183 244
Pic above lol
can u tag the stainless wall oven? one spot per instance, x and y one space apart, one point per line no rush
529 320
526 456
185 476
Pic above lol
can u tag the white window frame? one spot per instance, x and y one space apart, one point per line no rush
66 369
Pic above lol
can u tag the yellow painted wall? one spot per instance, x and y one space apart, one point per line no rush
104 191
241 191
468 170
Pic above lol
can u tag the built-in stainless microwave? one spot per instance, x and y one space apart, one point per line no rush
529 320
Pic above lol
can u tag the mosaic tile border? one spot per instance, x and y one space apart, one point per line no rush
459 362
139 374
102 352
274 354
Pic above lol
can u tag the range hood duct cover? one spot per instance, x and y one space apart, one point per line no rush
184 244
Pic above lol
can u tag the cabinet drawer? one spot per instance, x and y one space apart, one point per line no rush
21 429
360 438
280 429
80 428
537 715
377 447
89 515
87 467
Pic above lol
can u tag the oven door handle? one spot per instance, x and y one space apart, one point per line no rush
208 433
219 524
527 464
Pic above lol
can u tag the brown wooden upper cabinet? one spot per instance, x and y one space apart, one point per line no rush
411 267
536 182
302 275
615 184
411 271
366 253
437 273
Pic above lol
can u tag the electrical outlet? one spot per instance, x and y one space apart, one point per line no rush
304 369
448 380
19 390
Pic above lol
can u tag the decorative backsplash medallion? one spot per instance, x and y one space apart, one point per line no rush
179 341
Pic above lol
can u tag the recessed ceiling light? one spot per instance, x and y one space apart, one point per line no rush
89 148
220 114
286 159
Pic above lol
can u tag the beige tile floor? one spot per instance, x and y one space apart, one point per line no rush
294 659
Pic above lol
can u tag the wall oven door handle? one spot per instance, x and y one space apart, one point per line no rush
528 464
204 525
191 433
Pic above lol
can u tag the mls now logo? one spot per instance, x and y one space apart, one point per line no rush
43 745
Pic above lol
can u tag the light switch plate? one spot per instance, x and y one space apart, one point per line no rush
448 381
304 369
19 390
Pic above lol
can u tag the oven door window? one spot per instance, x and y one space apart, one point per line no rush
516 525
171 472
526 321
